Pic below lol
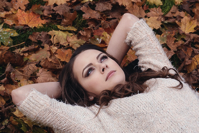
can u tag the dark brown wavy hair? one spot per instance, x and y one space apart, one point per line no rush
73 93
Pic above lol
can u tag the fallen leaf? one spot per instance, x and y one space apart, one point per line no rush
103 6
58 2
194 63
31 19
131 55
41 54
153 22
156 2
74 42
169 53
29 69
177 2
89 13
124 2
69 18
70 28
18 113
2 101
64 55
45 76
59 37
62 9
187 25
5 35
19 4
136 10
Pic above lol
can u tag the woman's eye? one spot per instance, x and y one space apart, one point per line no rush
89 71
104 57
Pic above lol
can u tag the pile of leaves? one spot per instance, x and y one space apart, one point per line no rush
37 38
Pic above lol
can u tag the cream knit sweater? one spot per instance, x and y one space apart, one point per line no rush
160 109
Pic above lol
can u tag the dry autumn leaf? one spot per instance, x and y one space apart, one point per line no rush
19 4
156 2
59 37
58 2
64 55
74 42
187 25
194 63
89 13
153 22
41 54
45 76
31 19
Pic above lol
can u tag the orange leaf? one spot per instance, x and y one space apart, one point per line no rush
2 101
31 19
64 55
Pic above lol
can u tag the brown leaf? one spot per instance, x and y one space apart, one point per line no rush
29 69
64 55
196 11
103 6
74 42
62 9
45 76
89 13
155 12
19 4
41 54
13 58
153 22
11 19
124 2
51 63
69 18
168 52
9 88
194 63
136 10
85 34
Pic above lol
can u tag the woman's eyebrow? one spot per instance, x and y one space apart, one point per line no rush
91 63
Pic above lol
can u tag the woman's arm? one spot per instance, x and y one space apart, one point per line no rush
117 46
52 89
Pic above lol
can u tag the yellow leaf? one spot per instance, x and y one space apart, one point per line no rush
58 2
187 25
156 2
59 37
66 28
194 63
177 2
17 113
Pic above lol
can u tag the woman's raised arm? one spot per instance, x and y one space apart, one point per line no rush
117 46
52 89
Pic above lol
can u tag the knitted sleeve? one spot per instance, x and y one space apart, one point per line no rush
147 47
60 116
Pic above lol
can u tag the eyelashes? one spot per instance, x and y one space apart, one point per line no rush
90 70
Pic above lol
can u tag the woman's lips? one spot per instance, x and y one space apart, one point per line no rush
110 74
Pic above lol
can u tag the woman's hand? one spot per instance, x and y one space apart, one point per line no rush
117 46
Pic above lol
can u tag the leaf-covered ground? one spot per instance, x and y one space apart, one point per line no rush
38 37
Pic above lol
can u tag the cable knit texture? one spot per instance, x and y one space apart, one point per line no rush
160 109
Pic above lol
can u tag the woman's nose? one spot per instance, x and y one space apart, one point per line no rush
103 66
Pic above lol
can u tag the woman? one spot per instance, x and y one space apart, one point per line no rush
100 97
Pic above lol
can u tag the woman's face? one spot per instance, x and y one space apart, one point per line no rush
96 72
